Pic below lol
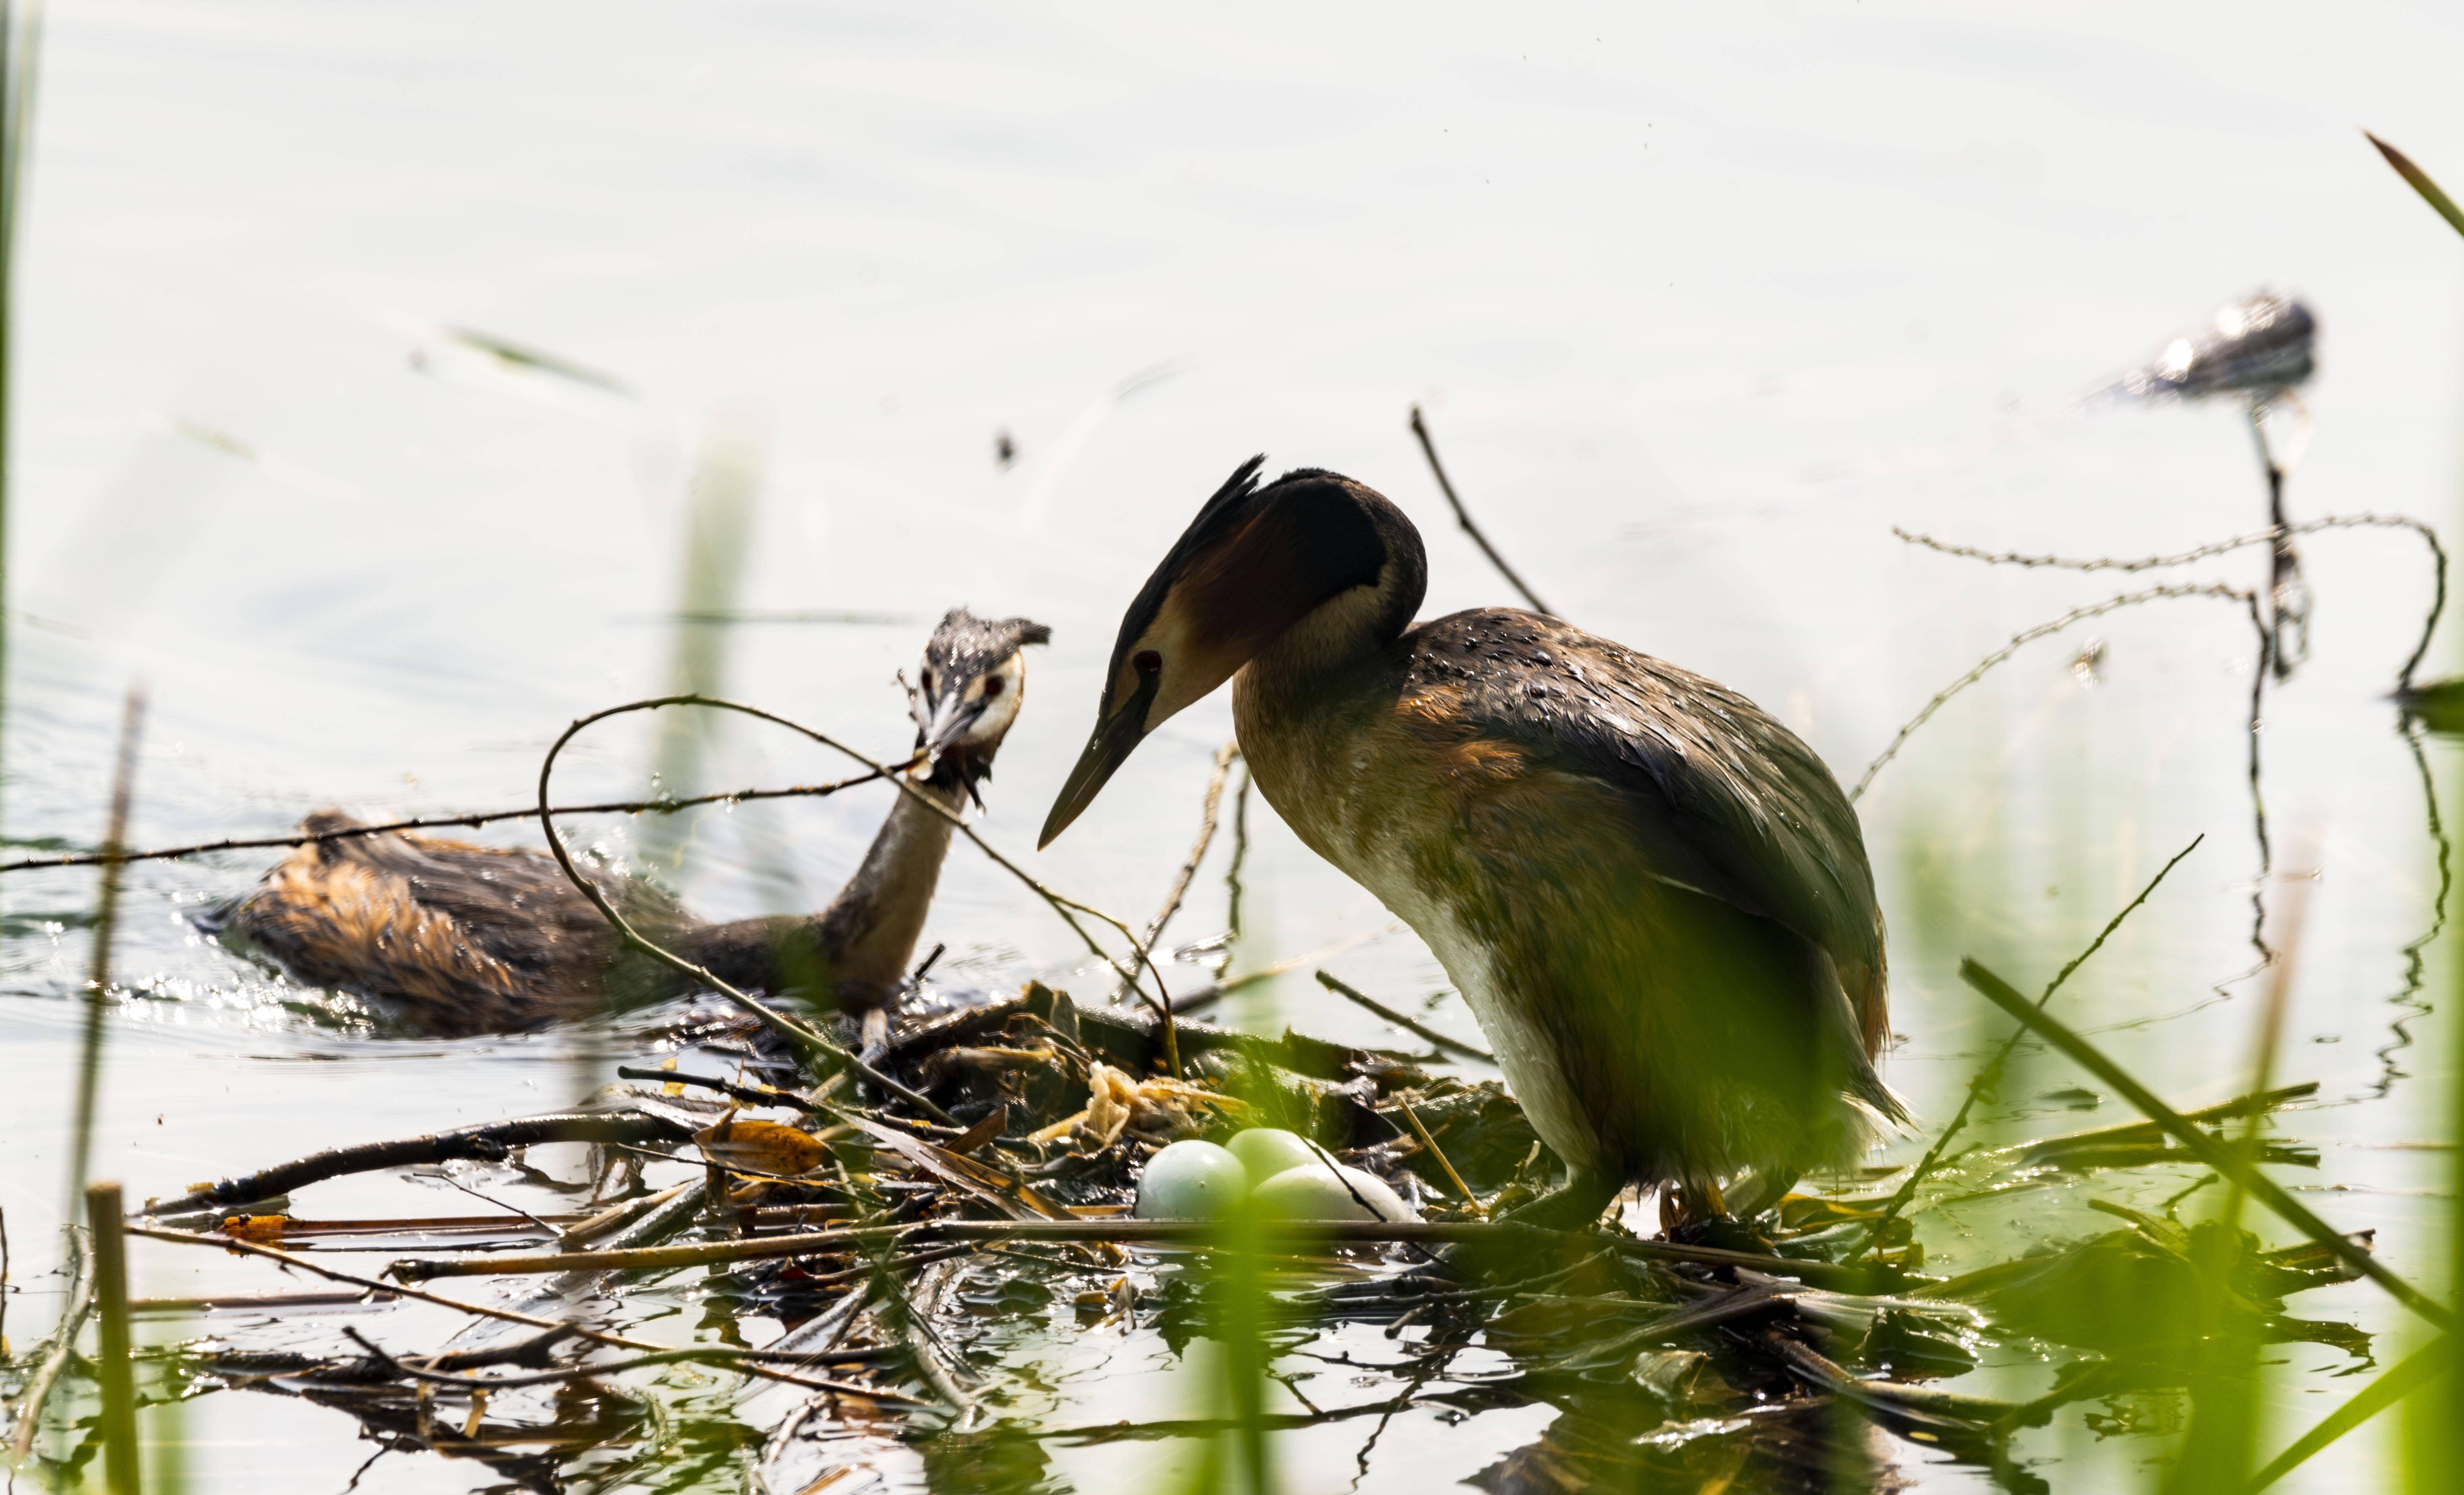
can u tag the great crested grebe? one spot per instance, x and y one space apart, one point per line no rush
466 939
1655 897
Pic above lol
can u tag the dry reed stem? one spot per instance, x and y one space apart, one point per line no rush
2270 535
1444 1162
509 1315
1160 1005
27 1416
1454 1046
1179 890
808 1041
2021 640
1295 1235
1987 1077
1463 517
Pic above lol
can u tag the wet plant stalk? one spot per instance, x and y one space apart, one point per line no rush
2214 1153
2222 1445
112 1367
98 998
1991 1075
19 49
1463 517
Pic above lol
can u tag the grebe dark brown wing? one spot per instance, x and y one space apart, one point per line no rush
474 938
1726 802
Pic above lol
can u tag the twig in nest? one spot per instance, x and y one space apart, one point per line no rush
803 1039
486 1143
796 1032
597 1336
1232 889
1448 1164
28 1414
1296 1236
417 1368
1453 1046
1463 517
750 1094
449 822
1223 756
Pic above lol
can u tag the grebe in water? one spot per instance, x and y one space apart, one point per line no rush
463 939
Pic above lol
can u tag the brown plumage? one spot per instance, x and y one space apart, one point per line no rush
1655 897
462 938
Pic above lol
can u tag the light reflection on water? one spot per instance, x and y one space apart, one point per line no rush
1698 305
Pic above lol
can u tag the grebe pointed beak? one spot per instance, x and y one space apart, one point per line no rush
1116 738
952 716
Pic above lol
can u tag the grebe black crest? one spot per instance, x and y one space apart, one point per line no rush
1653 896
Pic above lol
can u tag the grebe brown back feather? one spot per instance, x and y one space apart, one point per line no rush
464 938
1655 897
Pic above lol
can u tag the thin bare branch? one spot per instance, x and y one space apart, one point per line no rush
1463 517
2271 536
1159 1003
1179 890
2217 1155
2021 640
597 1336
1452 1046
1991 1075
447 822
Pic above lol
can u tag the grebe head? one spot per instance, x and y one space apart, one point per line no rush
967 691
1310 556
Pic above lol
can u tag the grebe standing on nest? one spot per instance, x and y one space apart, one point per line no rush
465 939
1655 897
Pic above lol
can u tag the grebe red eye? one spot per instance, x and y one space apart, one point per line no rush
992 687
928 682
1147 662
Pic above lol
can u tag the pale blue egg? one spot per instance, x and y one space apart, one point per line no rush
1318 1190
1268 1151
1191 1180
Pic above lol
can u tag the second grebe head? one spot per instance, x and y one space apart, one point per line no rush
967 691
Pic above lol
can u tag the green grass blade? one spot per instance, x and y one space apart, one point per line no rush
2400 1381
2428 189
2210 1152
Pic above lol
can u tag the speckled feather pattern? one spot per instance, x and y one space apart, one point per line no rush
460 939
1654 896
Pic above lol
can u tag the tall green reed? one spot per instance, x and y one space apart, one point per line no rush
716 538
98 989
21 39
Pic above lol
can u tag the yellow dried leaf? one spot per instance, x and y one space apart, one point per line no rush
256 1227
767 1147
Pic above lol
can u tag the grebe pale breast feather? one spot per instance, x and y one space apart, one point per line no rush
1654 896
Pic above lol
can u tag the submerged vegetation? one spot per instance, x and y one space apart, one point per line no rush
792 1256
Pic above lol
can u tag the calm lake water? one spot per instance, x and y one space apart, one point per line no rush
1700 303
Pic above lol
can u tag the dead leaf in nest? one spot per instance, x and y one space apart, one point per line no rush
1117 1104
768 1146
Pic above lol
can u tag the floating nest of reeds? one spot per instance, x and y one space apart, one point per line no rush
881 1291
